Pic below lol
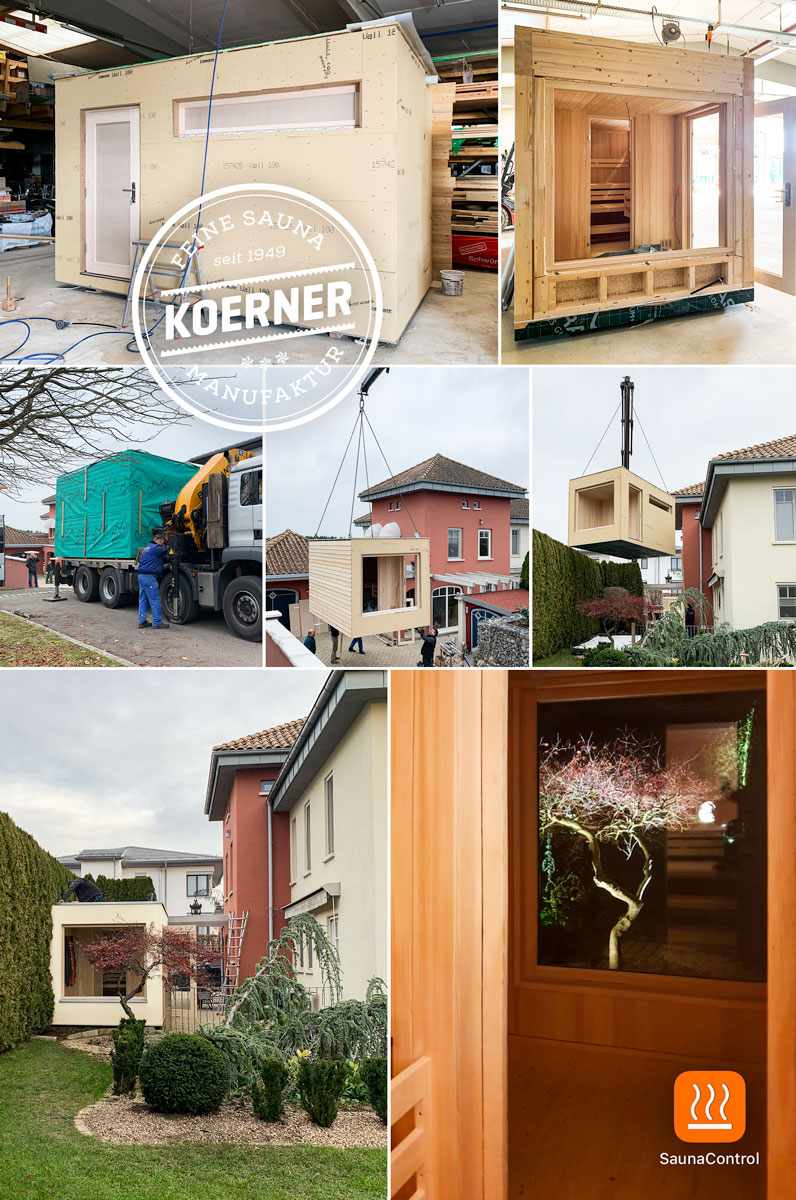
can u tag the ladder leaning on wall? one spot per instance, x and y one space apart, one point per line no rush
236 928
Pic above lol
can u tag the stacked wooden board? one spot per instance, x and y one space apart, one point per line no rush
23 104
474 140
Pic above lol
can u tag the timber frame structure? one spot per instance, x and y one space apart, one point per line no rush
649 95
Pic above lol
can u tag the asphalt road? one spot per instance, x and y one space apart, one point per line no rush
205 643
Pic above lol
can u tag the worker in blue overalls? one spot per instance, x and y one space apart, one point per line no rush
150 572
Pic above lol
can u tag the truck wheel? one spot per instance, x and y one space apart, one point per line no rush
243 607
86 584
111 590
177 601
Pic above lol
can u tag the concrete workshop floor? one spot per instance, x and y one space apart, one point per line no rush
757 334
205 643
444 330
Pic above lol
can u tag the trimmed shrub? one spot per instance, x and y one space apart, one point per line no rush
128 1047
124 889
31 881
625 575
562 579
605 656
525 577
320 1086
374 1073
268 1101
184 1073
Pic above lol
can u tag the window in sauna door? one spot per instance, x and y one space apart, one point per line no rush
652 835
610 186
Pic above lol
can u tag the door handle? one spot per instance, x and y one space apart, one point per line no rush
787 195
131 189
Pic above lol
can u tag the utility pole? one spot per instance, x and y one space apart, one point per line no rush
628 387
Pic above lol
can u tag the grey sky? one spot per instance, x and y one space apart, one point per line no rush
185 438
93 759
689 415
477 415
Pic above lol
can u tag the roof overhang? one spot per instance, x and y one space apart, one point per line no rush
224 764
460 489
270 577
720 474
681 501
342 698
622 549
312 903
715 578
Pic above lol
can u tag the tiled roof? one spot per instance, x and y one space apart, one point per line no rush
287 554
280 737
439 470
49 499
781 448
693 489
520 509
23 537
144 854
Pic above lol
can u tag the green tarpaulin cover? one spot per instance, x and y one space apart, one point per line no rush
109 509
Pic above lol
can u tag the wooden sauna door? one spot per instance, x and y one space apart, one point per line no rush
775 194
592 1058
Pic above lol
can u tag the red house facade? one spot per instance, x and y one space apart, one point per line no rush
287 573
697 541
255 840
466 515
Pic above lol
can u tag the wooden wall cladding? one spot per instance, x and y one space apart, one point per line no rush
565 82
449 934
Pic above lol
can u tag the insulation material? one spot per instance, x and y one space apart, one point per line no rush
377 174
109 509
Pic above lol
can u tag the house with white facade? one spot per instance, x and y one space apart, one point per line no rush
183 882
333 789
749 505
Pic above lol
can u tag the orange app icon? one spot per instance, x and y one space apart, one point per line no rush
709 1106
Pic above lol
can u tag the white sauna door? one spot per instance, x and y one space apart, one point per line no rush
113 169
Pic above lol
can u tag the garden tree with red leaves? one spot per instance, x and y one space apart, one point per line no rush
140 951
620 793
615 607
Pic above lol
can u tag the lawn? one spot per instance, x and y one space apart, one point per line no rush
26 645
562 659
43 1157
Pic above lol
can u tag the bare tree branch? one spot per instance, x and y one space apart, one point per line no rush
52 420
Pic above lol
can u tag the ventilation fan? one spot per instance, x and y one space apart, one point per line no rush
670 32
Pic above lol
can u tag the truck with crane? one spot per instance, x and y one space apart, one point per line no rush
211 516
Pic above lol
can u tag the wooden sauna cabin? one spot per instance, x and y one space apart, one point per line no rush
371 585
634 182
522 1071
617 512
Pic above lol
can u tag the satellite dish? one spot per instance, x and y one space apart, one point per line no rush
670 32
375 529
391 529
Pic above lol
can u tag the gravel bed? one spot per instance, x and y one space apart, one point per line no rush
98 1046
128 1121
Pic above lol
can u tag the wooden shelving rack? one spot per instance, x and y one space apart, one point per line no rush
474 135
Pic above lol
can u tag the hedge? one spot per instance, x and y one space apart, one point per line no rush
562 579
124 889
31 881
625 575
